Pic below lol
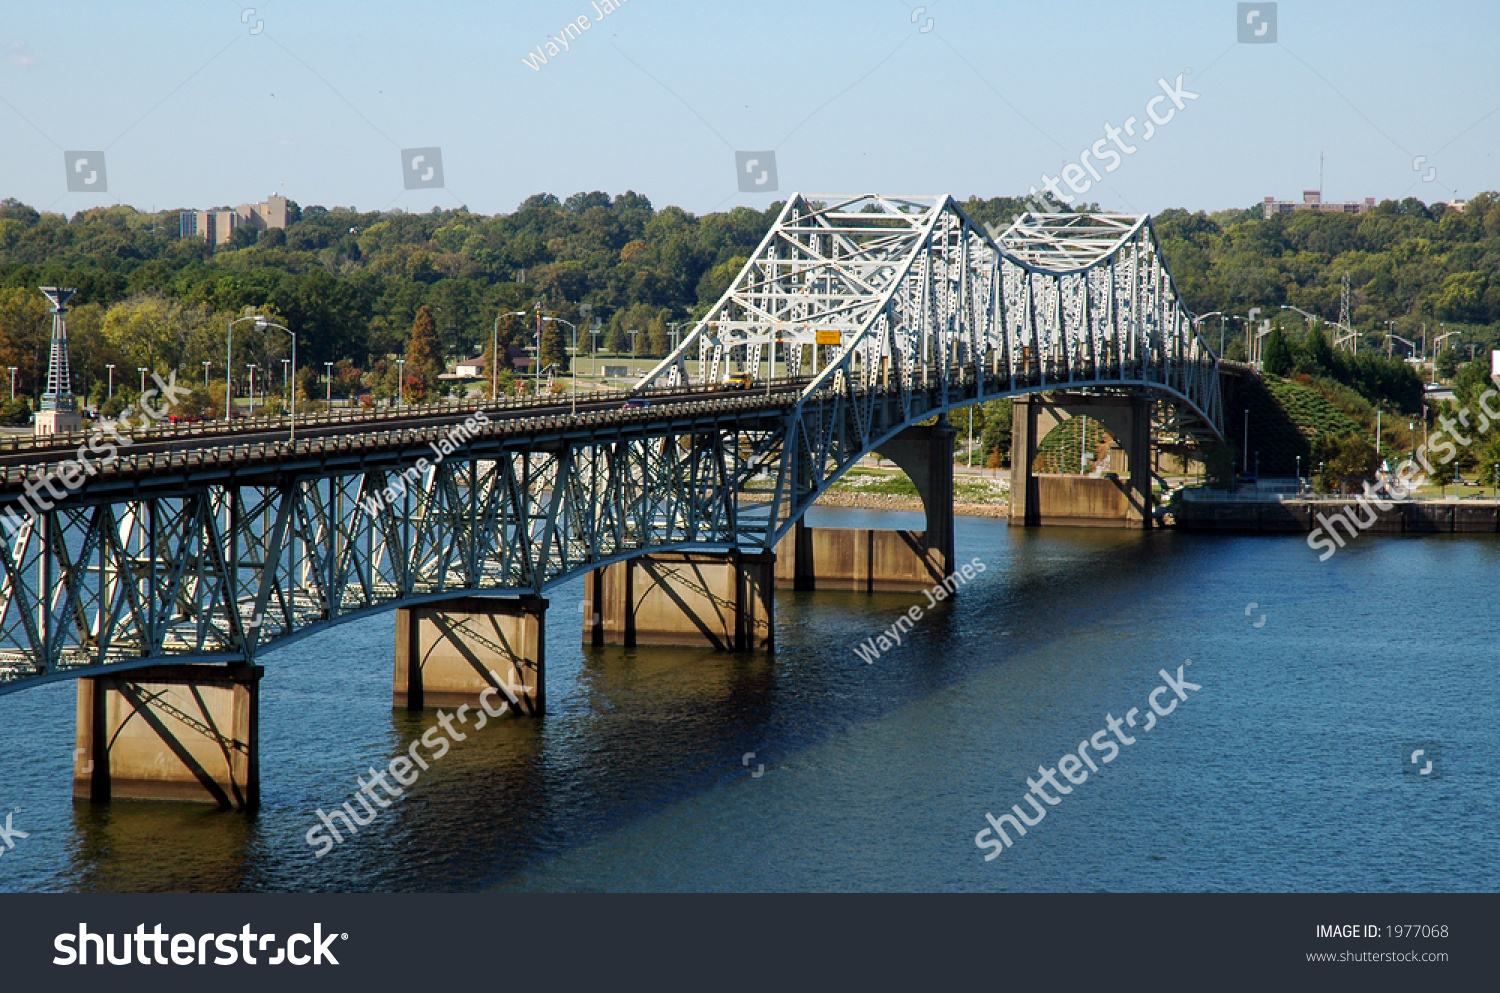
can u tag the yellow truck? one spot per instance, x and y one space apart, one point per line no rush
740 381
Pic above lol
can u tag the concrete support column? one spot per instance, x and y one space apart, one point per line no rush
450 652
719 600
1023 442
170 732
865 560
1119 500
925 454
1138 452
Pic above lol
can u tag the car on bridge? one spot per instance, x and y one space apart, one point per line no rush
740 381
635 403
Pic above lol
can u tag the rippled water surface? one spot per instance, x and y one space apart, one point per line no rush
1285 772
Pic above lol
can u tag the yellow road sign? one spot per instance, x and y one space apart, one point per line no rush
830 338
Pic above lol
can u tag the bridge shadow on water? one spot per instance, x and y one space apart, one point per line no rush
630 733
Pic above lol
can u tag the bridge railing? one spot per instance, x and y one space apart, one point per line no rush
346 416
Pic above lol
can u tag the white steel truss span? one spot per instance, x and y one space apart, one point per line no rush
874 313
898 308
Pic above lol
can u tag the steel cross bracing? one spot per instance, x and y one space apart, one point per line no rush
902 307
216 553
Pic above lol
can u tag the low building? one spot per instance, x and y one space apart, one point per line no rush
518 358
470 368
217 226
1313 200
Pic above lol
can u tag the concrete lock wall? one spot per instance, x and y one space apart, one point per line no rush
719 600
1301 516
1081 501
170 732
450 652
861 559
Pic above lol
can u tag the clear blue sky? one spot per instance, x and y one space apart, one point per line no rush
195 110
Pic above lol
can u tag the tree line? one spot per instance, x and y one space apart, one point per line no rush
352 283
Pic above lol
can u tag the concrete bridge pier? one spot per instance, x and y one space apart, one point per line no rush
480 651
718 600
170 732
1081 501
875 561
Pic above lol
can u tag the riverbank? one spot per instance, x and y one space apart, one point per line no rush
873 487
888 501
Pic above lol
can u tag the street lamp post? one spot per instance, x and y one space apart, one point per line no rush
328 375
13 381
206 364
1437 346
632 349
574 372
110 367
142 370
1198 322
261 324
594 334
495 353
400 382
229 367
251 366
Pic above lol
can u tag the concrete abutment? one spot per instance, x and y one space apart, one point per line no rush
170 732
718 600
452 652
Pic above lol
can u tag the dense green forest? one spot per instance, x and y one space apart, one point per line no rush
352 283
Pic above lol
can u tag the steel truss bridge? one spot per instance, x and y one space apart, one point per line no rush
859 316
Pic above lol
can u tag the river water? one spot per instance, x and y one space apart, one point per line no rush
1288 770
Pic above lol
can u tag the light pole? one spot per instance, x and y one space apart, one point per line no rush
1198 322
206 364
261 324
1437 347
229 367
328 375
251 366
1403 341
672 330
400 382
110 367
142 370
594 333
13 381
632 349
574 372
495 353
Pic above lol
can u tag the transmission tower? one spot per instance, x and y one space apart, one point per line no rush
1344 336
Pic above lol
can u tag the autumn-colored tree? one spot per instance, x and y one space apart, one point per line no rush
424 358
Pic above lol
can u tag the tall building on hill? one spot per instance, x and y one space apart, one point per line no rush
1313 200
216 226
